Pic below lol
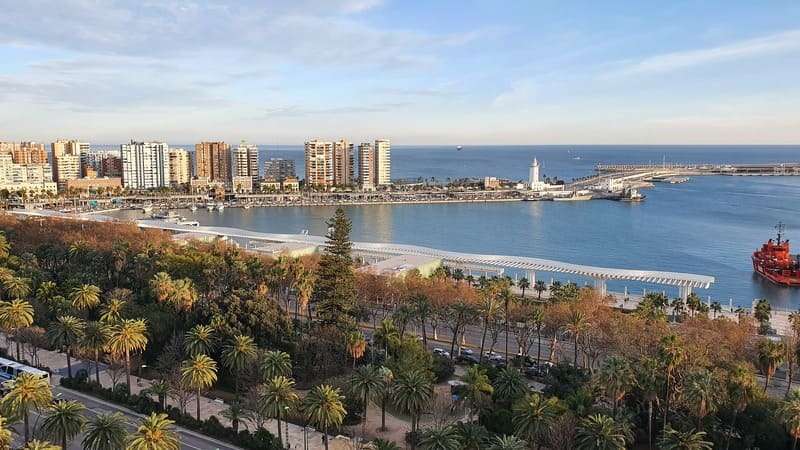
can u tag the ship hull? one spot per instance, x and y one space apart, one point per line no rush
780 277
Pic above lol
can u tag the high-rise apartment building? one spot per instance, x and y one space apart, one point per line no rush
319 163
279 169
213 161
145 165
366 165
30 178
26 152
343 163
111 166
69 147
179 172
66 167
245 161
383 162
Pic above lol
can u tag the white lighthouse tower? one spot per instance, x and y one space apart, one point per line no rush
533 177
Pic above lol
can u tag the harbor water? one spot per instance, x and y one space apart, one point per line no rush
709 225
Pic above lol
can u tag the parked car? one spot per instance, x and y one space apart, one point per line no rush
441 351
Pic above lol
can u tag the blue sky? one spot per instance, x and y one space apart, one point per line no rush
417 72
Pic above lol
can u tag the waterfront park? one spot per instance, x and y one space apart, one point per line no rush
202 338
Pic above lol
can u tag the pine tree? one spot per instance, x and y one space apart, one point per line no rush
335 293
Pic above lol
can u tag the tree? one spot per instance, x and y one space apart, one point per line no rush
789 413
161 389
762 313
537 319
238 354
16 287
85 297
278 397
672 439
422 309
161 285
64 334
155 432
532 415
477 390
386 335
105 432
236 412
198 373
111 312
648 382
671 355
523 284
334 291
275 363
576 324
507 442
742 389
64 421
443 438
200 340
25 393
700 393
413 391
94 340
539 287
509 385
615 378
770 355
6 437
324 409
365 382
14 315
128 336
385 391
601 432
488 310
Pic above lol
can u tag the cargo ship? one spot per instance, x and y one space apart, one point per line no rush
774 261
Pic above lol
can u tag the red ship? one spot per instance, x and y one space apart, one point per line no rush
774 262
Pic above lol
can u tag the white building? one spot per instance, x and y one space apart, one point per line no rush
66 167
319 163
245 161
383 162
366 166
179 166
34 178
534 183
145 165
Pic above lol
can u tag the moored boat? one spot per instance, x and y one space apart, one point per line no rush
775 262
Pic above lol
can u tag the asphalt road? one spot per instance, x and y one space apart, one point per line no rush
189 439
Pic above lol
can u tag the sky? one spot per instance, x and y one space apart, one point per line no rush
414 71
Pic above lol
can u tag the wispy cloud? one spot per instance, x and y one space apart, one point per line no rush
520 94
296 110
785 41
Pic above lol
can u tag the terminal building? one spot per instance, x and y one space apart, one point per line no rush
401 265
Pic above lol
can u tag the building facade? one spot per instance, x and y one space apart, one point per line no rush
279 169
383 162
179 172
366 166
25 152
213 161
145 165
319 163
245 161
26 178
343 166
66 167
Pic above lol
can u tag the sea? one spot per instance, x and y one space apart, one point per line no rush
709 225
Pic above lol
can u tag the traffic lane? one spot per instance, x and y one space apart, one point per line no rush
190 440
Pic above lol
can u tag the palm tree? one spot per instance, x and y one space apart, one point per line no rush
278 397
356 346
770 355
700 392
385 391
86 297
615 378
671 355
536 317
742 389
200 340
413 391
507 443
532 416
383 444
523 284
324 409
509 385
65 333
488 310
601 432
154 433
443 438
161 285
112 311
422 309
365 383
94 340
238 354
16 287
275 363
14 315
159 388
386 335
576 324
472 435
64 421
305 288
648 381
236 413
40 445
129 336
673 439
105 432
478 390
25 393
5 434
539 287
198 373
789 412
183 295
46 290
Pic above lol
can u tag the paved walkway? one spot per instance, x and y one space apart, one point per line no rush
57 362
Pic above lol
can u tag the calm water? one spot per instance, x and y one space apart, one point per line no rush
709 225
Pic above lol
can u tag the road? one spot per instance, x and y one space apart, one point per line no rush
94 406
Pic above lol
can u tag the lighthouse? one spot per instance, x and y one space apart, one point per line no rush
533 178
